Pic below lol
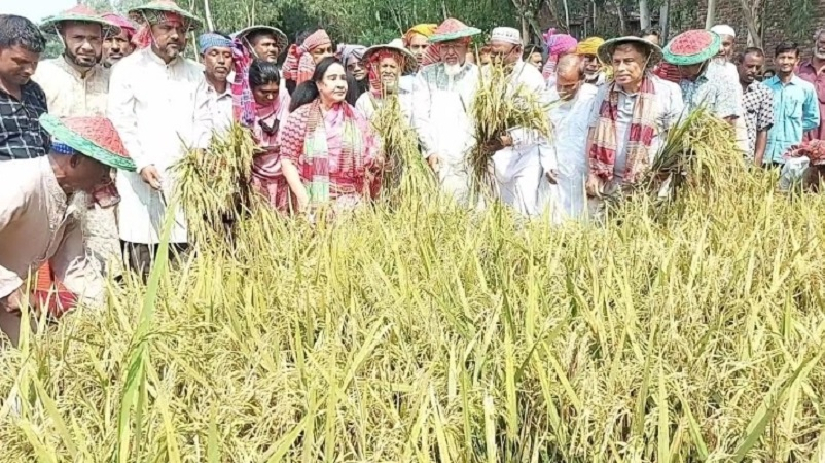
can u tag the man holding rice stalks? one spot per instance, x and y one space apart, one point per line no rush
522 160
38 223
630 119
159 104
442 95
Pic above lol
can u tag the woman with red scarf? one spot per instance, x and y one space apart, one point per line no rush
328 152
271 109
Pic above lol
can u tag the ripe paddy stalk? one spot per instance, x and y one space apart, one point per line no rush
460 335
500 105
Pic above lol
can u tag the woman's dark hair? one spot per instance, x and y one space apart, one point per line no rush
356 88
307 92
262 73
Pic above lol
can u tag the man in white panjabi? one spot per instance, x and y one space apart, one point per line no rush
77 84
723 60
158 102
443 92
570 109
523 163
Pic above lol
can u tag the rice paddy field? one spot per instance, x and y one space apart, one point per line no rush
423 332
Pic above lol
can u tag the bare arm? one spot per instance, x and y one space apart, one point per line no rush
759 148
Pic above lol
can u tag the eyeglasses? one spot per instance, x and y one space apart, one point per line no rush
452 47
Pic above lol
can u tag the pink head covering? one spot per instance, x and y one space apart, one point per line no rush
557 45
125 25
299 64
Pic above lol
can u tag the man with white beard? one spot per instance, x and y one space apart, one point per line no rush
723 60
812 71
523 158
443 92
570 109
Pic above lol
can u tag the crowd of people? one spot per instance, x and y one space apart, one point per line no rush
88 139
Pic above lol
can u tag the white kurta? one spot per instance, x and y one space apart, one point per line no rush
70 94
160 110
367 104
520 169
570 122
441 117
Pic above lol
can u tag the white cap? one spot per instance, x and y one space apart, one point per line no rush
397 43
506 34
723 30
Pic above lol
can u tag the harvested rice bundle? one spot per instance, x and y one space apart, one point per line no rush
701 152
214 184
499 106
405 173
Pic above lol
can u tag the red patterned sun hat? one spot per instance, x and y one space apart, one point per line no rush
692 47
92 136
452 29
120 21
79 14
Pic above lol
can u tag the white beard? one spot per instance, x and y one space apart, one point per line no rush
820 55
591 76
452 70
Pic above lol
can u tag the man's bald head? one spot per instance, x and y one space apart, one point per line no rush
570 73
571 65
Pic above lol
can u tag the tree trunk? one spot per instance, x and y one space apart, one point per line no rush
208 11
620 15
664 21
566 16
710 21
753 22
595 18
644 14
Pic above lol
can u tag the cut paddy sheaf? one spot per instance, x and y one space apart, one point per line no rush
415 333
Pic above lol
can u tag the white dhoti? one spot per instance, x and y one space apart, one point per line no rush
520 178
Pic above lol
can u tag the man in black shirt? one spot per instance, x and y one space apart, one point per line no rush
22 101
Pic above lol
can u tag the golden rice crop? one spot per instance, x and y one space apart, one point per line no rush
500 104
215 184
406 175
444 335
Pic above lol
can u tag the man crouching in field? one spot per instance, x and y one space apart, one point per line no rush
38 222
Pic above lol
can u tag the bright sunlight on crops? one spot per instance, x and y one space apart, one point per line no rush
688 332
